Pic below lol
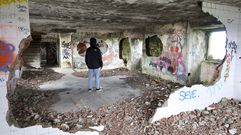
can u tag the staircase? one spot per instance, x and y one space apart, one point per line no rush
31 55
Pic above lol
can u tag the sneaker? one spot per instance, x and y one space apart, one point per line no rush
99 89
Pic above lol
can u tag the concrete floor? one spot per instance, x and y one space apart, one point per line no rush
74 94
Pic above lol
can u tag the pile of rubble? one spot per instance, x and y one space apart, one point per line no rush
220 118
130 117
32 78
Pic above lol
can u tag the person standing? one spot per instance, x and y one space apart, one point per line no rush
93 60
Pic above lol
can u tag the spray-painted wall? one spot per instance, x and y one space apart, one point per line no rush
199 96
171 64
108 45
14 26
65 50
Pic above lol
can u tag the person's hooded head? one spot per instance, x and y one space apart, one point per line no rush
93 42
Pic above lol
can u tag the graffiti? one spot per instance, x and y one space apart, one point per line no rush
24 30
66 45
22 8
7 2
107 57
81 48
174 66
229 58
66 53
6 55
152 64
163 64
215 88
172 62
230 20
2 80
66 50
103 47
175 43
188 95
232 46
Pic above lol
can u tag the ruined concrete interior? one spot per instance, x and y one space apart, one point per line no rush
150 49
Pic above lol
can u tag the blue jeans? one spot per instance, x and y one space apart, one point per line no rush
96 73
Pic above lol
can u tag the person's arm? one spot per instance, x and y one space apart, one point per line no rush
86 58
100 59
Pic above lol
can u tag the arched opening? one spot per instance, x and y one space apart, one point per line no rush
125 50
154 46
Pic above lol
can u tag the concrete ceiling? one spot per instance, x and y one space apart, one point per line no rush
116 15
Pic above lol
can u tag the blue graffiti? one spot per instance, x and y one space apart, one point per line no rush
216 88
66 53
2 80
6 55
188 95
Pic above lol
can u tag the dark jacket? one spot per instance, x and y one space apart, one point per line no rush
93 58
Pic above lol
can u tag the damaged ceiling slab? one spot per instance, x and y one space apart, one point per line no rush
117 15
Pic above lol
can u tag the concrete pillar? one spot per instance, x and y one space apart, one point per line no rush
65 50
136 53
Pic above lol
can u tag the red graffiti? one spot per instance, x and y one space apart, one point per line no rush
177 63
174 49
107 57
228 66
81 48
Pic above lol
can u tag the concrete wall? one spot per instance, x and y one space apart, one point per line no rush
199 96
73 47
208 72
171 64
237 73
108 45
197 49
14 27
136 53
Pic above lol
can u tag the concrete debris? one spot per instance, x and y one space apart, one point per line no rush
131 116
205 121
232 131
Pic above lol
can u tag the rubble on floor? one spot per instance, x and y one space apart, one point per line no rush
220 118
33 77
131 117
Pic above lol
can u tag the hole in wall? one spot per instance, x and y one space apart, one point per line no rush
125 50
154 46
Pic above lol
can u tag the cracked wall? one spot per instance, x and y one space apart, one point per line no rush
199 96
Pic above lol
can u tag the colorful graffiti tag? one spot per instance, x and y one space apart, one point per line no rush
66 50
188 95
6 55
231 48
172 62
81 48
66 53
